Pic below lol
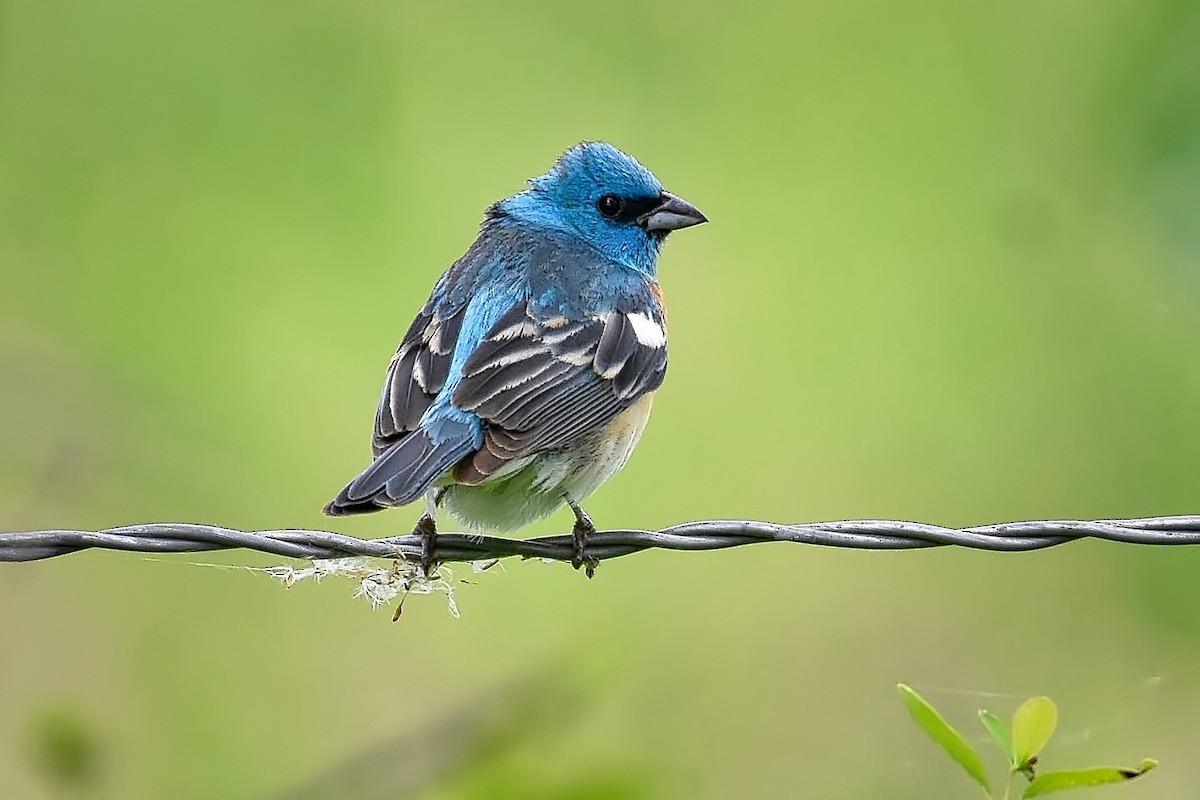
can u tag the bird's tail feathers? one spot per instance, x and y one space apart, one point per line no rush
406 471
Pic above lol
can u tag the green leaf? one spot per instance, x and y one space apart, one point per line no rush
1032 726
940 731
1000 732
1074 778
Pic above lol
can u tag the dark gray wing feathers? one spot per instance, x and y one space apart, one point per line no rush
417 373
538 382
406 470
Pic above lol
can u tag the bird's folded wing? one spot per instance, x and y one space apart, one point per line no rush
417 373
541 381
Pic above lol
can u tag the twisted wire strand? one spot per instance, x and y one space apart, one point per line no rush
868 534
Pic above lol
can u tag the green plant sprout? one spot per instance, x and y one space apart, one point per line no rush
1032 726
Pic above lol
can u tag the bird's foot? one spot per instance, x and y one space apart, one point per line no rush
426 528
584 527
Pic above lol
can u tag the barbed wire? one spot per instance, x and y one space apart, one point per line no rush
176 537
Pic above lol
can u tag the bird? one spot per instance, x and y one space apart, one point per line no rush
527 378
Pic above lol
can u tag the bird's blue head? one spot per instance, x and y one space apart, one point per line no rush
602 196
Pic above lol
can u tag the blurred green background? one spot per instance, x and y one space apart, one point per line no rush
952 275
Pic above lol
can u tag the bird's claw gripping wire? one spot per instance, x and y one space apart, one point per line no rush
583 528
426 528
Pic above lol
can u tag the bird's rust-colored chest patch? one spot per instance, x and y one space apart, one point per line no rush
656 290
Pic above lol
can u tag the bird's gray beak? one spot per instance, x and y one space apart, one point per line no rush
671 214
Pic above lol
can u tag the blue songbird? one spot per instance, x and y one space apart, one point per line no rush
527 377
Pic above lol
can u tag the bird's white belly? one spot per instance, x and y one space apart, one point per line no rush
578 469
533 487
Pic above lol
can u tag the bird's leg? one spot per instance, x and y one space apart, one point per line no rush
426 528
583 528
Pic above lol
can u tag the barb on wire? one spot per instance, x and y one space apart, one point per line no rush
176 537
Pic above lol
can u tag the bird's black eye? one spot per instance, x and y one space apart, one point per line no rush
609 206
